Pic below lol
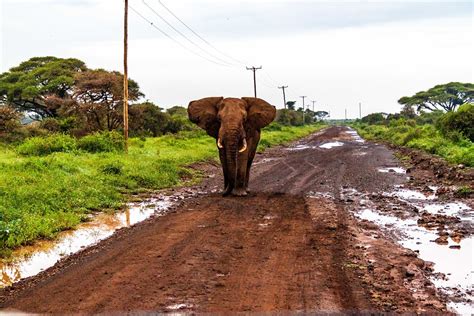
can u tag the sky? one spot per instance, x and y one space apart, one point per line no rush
338 53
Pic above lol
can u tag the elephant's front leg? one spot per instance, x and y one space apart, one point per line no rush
224 169
240 189
252 149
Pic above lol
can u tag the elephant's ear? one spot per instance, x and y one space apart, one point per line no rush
203 112
259 112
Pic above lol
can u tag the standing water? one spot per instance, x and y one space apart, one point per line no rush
30 260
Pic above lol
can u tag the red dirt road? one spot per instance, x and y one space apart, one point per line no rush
291 246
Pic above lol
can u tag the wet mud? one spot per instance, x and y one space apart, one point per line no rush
332 224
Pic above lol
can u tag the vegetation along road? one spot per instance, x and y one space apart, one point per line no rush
307 238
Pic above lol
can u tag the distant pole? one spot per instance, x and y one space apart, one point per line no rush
345 114
313 101
125 77
254 69
360 110
303 96
284 96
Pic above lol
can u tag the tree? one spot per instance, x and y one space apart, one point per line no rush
98 96
290 105
408 112
39 84
147 119
446 96
321 114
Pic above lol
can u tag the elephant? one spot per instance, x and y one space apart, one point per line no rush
235 124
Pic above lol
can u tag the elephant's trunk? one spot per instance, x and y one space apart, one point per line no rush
231 147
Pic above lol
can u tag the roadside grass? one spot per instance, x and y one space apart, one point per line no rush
425 137
40 195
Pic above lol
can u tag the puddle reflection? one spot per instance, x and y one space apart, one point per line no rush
31 260
331 145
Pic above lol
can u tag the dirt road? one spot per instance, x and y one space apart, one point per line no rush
292 245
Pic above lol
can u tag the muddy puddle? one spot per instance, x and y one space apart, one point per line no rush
355 136
328 145
30 260
452 257
392 169
331 145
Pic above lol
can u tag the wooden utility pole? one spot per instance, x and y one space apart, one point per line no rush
303 96
345 114
284 96
125 76
254 69
313 101
360 110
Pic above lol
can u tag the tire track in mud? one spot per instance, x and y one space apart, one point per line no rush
282 248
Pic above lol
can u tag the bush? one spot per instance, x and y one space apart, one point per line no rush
51 124
9 119
41 146
102 142
461 121
374 118
112 168
289 117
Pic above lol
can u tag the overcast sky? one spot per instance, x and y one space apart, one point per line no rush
338 53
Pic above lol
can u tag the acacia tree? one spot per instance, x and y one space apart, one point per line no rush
445 96
321 114
98 96
40 84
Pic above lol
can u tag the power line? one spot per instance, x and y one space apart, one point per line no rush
183 35
174 40
199 36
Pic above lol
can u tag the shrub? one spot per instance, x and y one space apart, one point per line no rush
9 119
40 146
374 118
461 121
50 124
102 142
113 167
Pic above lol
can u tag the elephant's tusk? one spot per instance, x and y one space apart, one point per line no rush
244 147
219 144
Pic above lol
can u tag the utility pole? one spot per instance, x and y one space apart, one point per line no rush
360 110
254 69
345 114
303 96
125 76
313 101
284 97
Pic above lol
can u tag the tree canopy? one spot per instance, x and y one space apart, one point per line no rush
444 96
321 114
37 84
98 97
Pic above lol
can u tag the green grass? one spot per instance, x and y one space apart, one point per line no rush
425 137
43 194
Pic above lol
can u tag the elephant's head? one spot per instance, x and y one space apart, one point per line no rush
228 121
